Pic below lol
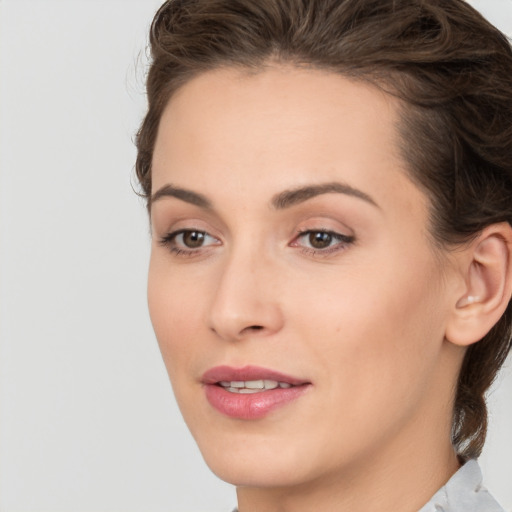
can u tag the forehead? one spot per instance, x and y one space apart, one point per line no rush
281 127
278 100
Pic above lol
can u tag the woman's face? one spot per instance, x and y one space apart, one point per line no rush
291 252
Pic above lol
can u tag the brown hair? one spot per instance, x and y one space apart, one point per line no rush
449 66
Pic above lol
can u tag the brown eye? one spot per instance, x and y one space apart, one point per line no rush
321 242
320 239
193 239
188 242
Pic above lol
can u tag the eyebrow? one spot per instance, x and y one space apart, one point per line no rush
296 196
185 195
283 200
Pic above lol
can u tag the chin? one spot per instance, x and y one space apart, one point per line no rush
256 460
251 473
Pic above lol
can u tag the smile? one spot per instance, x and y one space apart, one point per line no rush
251 392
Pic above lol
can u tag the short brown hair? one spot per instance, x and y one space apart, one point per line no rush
450 67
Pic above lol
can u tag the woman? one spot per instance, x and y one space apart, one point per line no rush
329 184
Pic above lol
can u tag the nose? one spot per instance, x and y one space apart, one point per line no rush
246 302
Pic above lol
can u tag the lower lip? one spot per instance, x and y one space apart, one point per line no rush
251 406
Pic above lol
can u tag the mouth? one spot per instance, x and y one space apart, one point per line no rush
252 386
250 392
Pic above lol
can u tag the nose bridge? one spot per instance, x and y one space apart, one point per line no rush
245 301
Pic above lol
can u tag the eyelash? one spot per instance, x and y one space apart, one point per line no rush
169 241
343 241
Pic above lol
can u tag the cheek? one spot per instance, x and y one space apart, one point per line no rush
379 334
375 350
174 308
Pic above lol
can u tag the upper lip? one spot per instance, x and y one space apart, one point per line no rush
246 373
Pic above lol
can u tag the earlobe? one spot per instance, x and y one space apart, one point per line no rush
487 271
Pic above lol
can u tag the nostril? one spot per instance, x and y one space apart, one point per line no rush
251 329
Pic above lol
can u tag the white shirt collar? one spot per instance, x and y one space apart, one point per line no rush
464 492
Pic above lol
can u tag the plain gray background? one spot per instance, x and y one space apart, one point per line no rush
87 418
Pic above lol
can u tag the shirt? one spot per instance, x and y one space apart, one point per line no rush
464 492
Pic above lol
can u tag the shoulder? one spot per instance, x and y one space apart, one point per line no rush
463 492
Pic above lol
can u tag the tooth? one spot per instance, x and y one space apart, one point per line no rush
270 384
254 384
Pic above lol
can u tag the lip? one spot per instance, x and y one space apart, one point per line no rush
223 373
255 405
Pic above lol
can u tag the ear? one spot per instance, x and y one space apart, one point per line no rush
486 267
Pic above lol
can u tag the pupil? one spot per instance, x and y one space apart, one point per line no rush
193 239
320 240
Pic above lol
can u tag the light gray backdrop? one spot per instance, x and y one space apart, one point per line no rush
87 418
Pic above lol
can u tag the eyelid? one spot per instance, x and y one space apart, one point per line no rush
171 218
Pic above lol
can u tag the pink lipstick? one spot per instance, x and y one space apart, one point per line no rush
250 392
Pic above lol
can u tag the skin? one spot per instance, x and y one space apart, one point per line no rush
363 321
